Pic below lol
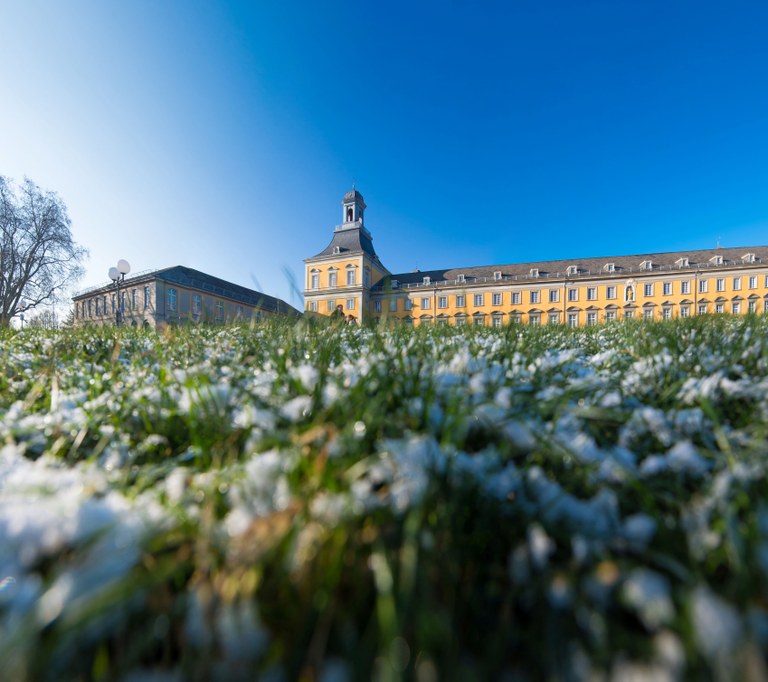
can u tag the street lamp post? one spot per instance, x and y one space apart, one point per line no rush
22 304
117 275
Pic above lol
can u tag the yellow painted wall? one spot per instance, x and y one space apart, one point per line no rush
734 298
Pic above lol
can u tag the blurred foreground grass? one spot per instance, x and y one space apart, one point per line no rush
299 501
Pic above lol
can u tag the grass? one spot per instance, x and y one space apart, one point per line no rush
300 501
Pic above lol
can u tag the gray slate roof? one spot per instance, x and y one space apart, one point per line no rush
625 266
194 279
350 241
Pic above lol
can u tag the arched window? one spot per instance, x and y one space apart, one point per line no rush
349 214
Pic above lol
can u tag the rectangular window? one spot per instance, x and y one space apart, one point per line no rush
442 301
366 277
239 312
98 307
685 311
478 300
610 315
461 321
702 309
573 319
314 280
753 282
629 314
573 295
666 313
377 306
461 301
114 303
591 293
313 306
350 304
554 295
392 305
752 307
332 280
591 319
146 298
534 296
516 298
765 306
133 299
736 308
426 303
496 299
220 310
554 318
496 320
736 283
703 286
666 288
648 290
90 308
351 277
534 320
648 313
685 287
479 321
721 284
330 305
172 299
610 292
719 308
197 304
766 281
408 304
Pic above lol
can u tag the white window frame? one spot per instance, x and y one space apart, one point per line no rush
517 298
534 296
479 300
461 301
442 301
426 302
496 298
685 286
554 295
573 295
173 299
720 284
610 292
666 288
591 293
736 283
648 289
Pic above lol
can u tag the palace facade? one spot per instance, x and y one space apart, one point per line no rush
579 291
174 295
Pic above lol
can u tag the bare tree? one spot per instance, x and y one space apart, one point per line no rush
38 257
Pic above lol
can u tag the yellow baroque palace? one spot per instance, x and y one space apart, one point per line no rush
581 291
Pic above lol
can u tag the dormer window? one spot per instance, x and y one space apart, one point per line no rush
572 270
395 284
609 267
534 272
748 258
461 278
426 280
646 265
336 250
716 260
497 275
682 262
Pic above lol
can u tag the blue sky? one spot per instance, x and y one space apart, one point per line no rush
223 135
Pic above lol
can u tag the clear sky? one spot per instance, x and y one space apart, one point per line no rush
223 135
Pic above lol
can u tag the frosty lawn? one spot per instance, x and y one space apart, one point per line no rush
307 502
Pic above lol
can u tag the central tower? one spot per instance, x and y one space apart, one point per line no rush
343 272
